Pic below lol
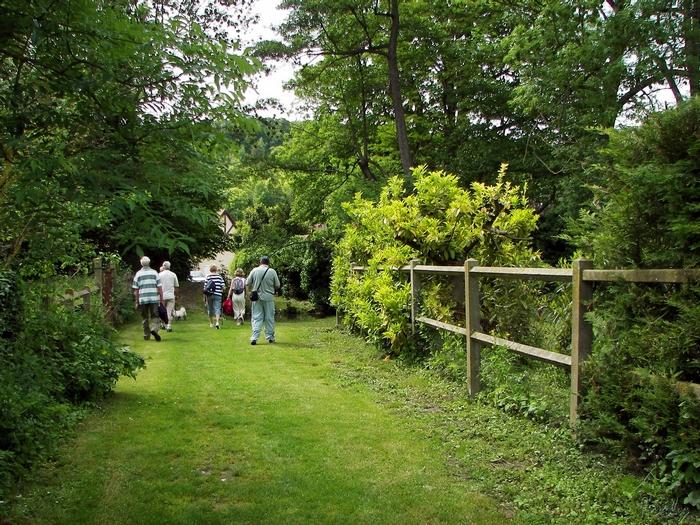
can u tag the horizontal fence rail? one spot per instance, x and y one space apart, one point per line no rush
546 356
582 277
526 274
83 295
102 287
642 276
443 326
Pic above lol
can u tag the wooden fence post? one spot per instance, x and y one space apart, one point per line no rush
473 322
415 292
107 291
86 299
581 331
97 263
71 301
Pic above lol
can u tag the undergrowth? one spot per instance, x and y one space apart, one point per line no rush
525 454
54 363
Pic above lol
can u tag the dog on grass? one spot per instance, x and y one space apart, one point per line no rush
180 315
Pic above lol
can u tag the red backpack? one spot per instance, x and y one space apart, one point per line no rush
227 306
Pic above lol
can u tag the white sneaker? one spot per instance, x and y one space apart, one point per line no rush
211 325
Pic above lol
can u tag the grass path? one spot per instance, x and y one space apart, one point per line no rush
217 431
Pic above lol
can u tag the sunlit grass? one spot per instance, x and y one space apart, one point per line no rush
219 431
318 429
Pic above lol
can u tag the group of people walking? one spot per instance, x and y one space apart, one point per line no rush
153 289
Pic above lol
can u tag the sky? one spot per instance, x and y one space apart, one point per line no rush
271 86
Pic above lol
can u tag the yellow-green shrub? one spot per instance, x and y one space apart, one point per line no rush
436 222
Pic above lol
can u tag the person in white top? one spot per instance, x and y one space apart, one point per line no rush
236 293
171 288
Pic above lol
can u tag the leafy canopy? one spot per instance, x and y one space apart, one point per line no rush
106 126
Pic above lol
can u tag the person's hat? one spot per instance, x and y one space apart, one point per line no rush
265 259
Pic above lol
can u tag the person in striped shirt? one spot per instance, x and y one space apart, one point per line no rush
213 301
148 294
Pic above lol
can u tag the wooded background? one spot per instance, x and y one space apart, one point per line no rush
520 133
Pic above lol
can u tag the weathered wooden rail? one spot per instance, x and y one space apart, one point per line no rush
102 283
581 275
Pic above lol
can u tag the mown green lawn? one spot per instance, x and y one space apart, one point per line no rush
318 429
217 431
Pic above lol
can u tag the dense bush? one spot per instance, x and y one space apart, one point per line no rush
301 254
647 337
52 364
316 270
302 263
436 222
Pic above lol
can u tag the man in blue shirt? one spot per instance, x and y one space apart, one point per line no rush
148 294
263 279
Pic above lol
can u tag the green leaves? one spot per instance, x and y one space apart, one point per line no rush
112 107
52 362
442 222
643 215
436 222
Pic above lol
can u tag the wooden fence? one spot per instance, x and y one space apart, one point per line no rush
102 283
581 275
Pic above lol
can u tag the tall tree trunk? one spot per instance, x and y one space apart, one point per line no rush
692 44
395 90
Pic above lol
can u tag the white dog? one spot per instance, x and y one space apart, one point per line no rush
180 315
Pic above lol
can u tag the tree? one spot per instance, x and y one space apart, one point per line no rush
645 215
106 123
585 63
107 112
318 162
455 86
350 36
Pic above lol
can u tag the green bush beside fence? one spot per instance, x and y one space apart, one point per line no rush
53 363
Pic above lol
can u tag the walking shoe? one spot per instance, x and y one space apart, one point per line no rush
155 335
146 337
253 343
270 340
169 328
211 325
217 326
